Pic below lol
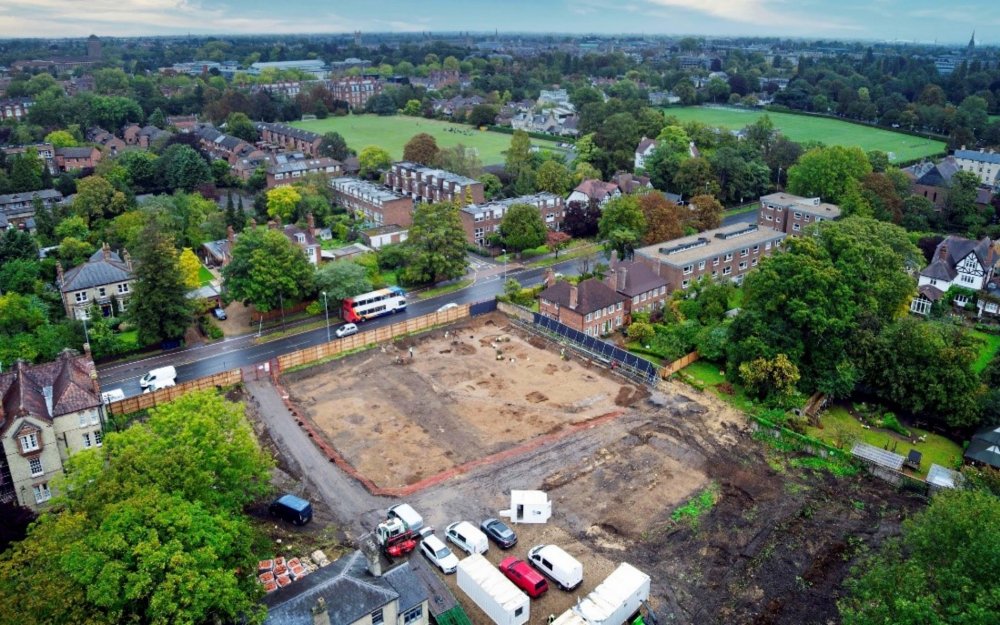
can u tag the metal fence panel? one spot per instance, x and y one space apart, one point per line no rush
642 367
481 308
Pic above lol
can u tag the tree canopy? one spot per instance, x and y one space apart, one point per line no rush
436 244
158 307
266 269
422 148
522 227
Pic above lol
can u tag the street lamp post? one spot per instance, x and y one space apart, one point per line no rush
326 309
86 337
504 251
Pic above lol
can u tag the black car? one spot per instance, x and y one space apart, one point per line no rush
499 533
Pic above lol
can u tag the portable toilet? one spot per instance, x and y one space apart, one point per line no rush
528 506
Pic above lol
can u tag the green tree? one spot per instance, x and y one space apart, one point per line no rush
266 269
693 177
282 202
522 227
158 307
181 167
518 158
436 245
483 115
334 146
26 172
828 172
373 160
961 214
553 177
140 167
770 378
73 251
342 279
20 276
61 139
422 148
460 160
190 268
492 187
73 226
240 126
706 212
413 108
640 332
941 570
622 225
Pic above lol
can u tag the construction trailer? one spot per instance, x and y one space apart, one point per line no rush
495 595
528 506
615 601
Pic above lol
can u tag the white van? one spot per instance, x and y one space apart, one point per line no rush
467 538
410 517
157 385
115 394
554 563
159 377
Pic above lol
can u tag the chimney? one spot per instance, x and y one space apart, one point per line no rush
372 555
613 261
311 224
107 250
943 252
319 613
573 296
94 384
550 277
59 274
253 223
230 235
128 259
622 273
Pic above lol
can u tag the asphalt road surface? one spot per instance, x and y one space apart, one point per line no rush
241 351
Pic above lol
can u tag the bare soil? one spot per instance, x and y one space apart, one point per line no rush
469 391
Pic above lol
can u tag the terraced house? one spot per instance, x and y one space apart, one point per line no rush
105 281
285 137
482 220
47 413
428 184
372 202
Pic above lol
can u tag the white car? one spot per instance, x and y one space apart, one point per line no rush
346 330
439 554
448 306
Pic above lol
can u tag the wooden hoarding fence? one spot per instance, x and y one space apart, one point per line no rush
164 395
677 365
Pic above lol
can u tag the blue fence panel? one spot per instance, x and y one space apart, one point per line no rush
606 350
482 308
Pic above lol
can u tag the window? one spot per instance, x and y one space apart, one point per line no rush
123 287
743 265
588 317
685 284
715 261
798 215
35 464
744 252
29 442
727 270
413 615
701 265
777 221
729 257
81 296
102 292
635 299
796 227
644 297
98 438
967 278
753 263
933 282
519 611
920 306
663 290
42 493
618 322
620 305
769 218
756 249
83 419
86 439
688 269
767 245
377 618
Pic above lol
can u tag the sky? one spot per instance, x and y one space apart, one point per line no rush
907 20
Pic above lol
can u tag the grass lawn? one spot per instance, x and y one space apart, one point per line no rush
991 343
901 147
204 275
441 290
392 133
709 375
838 423
130 338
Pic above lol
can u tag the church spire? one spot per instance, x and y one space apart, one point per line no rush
972 42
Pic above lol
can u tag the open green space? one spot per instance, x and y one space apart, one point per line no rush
899 146
392 133
204 276
988 349
840 427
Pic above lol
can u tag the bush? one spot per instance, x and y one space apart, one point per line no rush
209 329
890 422
988 328
314 308
641 332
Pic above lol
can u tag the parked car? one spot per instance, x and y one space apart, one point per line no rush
499 532
447 306
439 554
524 577
219 313
346 330
466 537
293 509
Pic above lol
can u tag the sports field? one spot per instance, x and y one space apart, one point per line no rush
392 133
900 147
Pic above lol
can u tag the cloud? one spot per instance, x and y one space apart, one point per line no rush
769 13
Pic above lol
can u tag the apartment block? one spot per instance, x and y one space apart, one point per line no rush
791 214
287 170
983 163
378 206
482 220
355 90
726 253
288 138
427 184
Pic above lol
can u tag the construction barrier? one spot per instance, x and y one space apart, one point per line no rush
165 395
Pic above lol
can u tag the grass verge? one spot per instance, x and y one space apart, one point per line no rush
448 288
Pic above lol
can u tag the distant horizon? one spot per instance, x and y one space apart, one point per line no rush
922 22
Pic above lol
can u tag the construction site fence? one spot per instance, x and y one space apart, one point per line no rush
672 368
166 395
513 310
361 340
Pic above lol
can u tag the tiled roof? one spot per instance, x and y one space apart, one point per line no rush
645 144
75 152
592 295
23 389
975 155
930 292
96 272
44 194
638 278
596 189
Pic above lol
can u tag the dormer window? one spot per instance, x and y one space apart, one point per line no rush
301 238
29 442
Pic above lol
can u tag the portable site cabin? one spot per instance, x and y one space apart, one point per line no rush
528 506
613 602
495 595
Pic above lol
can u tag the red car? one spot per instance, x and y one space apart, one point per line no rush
524 577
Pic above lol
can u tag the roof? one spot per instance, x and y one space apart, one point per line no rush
877 455
592 295
44 194
810 205
24 389
596 189
645 144
638 277
292 233
499 207
979 156
290 131
938 175
104 267
368 191
302 165
985 447
951 251
75 152
931 293
686 250
943 478
349 590
386 229
441 174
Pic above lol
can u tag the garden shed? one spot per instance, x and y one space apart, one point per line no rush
882 463
940 477
985 447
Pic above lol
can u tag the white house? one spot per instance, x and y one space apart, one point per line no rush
985 164
646 148
596 190
957 262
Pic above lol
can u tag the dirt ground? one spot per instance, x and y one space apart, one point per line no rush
469 391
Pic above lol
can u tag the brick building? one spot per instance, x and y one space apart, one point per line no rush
355 90
646 291
427 184
48 412
45 151
724 253
482 220
68 159
286 169
15 109
288 138
18 209
591 307
791 214
378 206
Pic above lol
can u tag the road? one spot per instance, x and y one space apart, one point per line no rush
241 351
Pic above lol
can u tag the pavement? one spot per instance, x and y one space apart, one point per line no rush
242 351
